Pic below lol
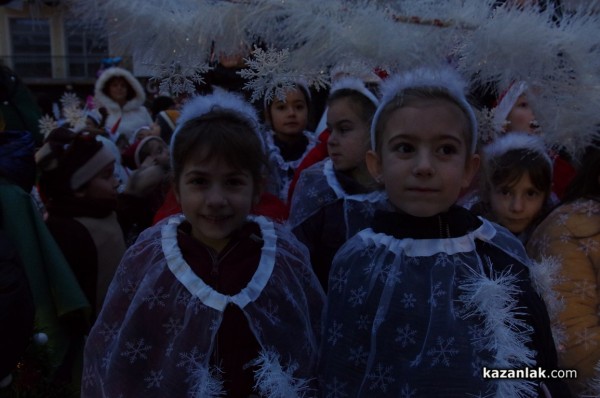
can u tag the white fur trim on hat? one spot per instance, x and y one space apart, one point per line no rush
443 78
133 137
138 149
353 83
105 100
93 166
223 101
507 101
516 141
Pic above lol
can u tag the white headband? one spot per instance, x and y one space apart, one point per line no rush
444 78
355 84
516 141
223 101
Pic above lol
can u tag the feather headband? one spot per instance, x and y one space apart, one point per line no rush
355 84
443 78
516 141
220 101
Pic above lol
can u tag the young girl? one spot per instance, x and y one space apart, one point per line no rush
212 302
429 296
288 141
570 236
334 198
517 183
514 112
122 95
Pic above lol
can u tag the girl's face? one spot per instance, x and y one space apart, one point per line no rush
289 118
522 118
349 139
423 161
158 152
102 186
117 90
215 198
516 207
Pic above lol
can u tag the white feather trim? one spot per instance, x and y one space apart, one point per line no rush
276 381
545 275
207 383
219 100
515 141
353 83
444 78
105 100
494 299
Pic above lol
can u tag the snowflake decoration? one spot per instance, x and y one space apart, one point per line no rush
437 291
154 379
191 360
173 326
358 356
363 322
408 300
335 333
47 124
270 75
175 78
381 378
407 392
88 377
156 298
75 116
136 350
405 335
442 352
336 389
357 296
485 125
109 331
70 100
339 280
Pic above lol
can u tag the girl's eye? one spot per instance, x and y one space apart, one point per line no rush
532 193
198 181
235 182
448 149
403 147
505 191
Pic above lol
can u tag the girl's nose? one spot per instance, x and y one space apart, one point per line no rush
516 204
423 165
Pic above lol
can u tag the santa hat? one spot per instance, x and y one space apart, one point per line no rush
444 78
68 161
167 121
506 102
516 141
140 145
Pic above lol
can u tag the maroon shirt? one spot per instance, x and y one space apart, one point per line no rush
228 272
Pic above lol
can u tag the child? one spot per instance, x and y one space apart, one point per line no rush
147 186
288 141
428 296
334 198
570 236
517 183
514 112
212 302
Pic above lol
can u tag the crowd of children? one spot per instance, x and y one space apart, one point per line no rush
190 279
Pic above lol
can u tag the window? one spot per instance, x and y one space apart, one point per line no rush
86 46
31 47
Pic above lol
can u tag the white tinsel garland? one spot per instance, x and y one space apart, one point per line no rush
275 380
494 300
490 44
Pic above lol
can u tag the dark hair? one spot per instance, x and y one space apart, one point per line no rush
366 107
219 134
585 183
130 90
419 96
307 99
508 168
161 103
145 149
